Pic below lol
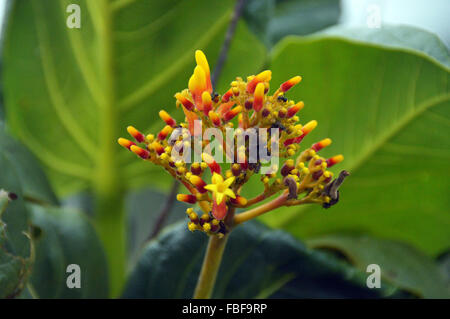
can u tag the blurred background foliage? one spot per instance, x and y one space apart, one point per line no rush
381 94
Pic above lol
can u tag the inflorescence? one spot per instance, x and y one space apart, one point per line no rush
247 104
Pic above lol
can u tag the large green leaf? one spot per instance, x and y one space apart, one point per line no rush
400 264
63 237
257 263
387 109
70 93
272 20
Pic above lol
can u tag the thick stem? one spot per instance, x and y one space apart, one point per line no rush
210 267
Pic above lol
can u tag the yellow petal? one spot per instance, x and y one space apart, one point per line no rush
229 181
230 193
219 198
211 187
217 178
201 60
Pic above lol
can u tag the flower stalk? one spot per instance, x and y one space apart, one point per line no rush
210 267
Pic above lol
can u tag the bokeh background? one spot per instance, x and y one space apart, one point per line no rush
375 76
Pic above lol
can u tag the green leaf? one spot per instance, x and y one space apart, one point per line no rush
257 263
63 237
397 37
15 248
31 177
20 174
120 68
400 264
387 110
272 20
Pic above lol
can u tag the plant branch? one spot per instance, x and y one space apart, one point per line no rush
255 212
226 44
165 210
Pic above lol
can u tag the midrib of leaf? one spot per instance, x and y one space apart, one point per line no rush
159 80
107 183
275 286
120 4
150 28
85 66
95 14
57 100
382 139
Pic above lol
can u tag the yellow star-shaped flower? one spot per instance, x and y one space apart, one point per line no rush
221 188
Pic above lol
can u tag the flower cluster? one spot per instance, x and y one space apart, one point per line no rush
247 104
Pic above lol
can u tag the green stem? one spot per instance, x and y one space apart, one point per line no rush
210 267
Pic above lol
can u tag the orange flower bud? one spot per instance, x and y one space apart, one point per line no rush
138 136
125 143
214 117
198 183
167 118
232 113
334 160
311 125
239 200
186 103
295 108
224 108
144 154
319 145
164 132
264 76
212 164
290 83
187 198
228 94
